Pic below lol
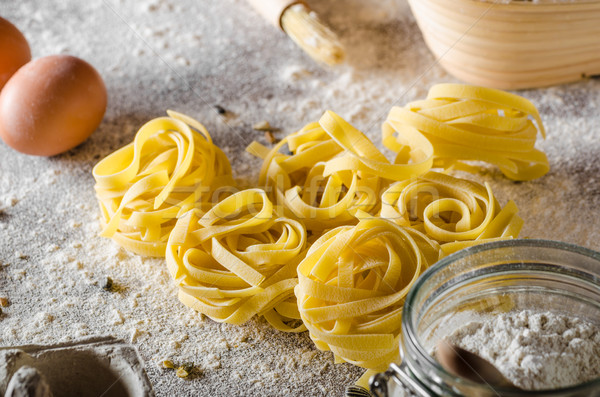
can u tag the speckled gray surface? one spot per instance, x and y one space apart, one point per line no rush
188 56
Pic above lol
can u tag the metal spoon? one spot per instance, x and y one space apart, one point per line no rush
463 363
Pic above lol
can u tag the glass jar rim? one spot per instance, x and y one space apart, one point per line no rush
408 327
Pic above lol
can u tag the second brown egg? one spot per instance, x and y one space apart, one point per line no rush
14 50
51 105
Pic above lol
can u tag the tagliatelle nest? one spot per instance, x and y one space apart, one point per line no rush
453 211
332 171
145 186
464 122
352 285
238 260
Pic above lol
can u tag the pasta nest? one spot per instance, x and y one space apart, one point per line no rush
465 122
145 186
450 210
352 285
332 170
238 260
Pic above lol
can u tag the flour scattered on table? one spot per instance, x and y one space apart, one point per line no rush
240 69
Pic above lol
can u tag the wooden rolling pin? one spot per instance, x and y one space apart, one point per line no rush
303 26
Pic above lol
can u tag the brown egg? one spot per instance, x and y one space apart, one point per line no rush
51 105
14 50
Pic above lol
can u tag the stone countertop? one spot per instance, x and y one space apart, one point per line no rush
191 56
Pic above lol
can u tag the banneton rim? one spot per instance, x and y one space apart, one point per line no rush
554 42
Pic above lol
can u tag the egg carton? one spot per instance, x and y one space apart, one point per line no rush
92 367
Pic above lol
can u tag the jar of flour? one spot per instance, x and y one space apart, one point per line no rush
529 307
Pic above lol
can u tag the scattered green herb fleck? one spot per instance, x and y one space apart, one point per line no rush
168 364
188 367
109 285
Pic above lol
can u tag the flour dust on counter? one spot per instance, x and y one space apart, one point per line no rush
190 56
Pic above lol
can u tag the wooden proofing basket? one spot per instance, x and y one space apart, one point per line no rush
513 44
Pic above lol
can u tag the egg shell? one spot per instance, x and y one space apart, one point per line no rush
14 50
51 105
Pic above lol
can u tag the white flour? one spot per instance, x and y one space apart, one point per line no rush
536 351
190 55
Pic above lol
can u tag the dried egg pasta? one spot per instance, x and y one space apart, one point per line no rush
332 171
352 285
464 122
145 186
450 210
374 225
238 260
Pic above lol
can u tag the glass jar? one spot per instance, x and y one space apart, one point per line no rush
481 282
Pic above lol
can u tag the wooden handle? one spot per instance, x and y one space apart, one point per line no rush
272 10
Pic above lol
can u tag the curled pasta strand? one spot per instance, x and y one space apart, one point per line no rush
238 260
361 155
352 285
332 171
450 210
464 122
145 186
